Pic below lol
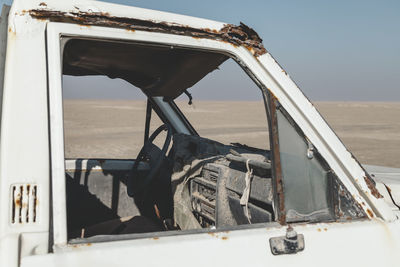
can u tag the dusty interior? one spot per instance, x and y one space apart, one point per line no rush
195 171
197 183
190 182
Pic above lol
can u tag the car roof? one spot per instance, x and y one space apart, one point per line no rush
98 13
116 10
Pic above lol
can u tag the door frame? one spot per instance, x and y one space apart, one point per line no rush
262 69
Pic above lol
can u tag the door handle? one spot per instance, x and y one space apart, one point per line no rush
290 243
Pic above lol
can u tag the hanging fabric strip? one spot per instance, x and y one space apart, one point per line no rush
244 200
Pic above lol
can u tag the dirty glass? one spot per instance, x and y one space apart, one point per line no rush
305 179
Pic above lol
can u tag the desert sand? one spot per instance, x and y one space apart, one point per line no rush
115 128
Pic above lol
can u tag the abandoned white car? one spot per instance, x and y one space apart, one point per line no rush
301 200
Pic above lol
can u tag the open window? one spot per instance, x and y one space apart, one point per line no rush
109 191
193 151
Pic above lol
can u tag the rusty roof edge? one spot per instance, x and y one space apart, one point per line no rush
240 35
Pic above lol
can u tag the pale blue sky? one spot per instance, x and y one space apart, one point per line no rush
334 50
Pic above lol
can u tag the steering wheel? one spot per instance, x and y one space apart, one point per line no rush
144 182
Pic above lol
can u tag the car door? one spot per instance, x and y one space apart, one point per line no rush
358 228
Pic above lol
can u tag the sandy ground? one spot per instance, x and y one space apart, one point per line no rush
115 129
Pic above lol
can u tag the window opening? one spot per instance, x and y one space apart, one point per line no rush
165 179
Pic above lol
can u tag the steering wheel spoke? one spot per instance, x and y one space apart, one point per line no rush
142 183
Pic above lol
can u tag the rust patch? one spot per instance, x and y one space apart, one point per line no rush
345 205
277 166
325 229
42 4
213 234
388 188
370 213
235 34
18 201
372 188
83 25
224 238
319 229
156 238
81 245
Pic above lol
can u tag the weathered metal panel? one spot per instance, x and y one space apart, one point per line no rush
368 243
24 144
25 155
237 35
259 71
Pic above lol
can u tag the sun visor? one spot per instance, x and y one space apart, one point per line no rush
157 70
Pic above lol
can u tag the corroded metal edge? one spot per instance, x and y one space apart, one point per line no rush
240 35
